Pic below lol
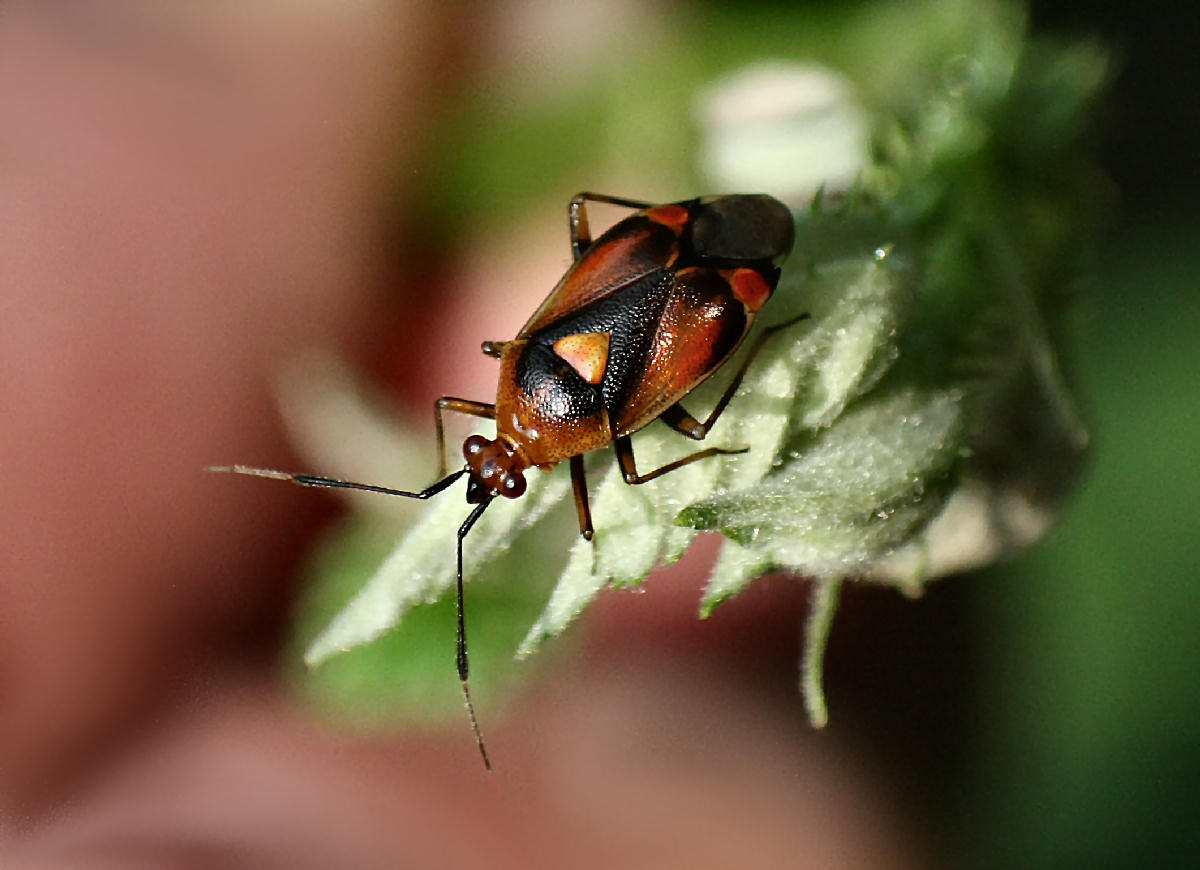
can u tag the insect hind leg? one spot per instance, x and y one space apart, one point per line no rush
685 424
624 447
581 234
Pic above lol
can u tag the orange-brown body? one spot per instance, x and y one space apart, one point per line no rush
646 314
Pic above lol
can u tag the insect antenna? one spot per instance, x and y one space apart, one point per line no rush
461 645
333 483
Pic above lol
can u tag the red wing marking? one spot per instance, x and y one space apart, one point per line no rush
586 352
673 216
749 287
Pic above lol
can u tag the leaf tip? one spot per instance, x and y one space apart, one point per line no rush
317 654
826 592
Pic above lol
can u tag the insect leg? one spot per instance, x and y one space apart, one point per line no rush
462 406
579 482
624 446
581 234
683 422
460 647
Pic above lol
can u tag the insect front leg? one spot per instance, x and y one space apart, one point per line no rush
462 406
579 483
581 234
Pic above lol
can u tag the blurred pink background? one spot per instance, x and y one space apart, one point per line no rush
191 195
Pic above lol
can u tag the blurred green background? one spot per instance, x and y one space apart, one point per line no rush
1062 696
1086 749
1083 748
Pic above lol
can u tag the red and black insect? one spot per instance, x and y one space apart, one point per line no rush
647 312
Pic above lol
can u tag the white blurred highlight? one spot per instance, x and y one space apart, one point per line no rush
783 128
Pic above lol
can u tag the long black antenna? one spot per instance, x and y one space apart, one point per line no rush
464 667
333 483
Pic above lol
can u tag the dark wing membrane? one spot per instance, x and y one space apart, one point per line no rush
630 250
700 324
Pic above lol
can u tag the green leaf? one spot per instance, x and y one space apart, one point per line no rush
852 493
422 567
409 673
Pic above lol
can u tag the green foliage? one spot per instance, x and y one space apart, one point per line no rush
408 672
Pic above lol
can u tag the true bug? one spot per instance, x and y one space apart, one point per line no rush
645 314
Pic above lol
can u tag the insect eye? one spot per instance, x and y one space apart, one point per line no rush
514 485
473 445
